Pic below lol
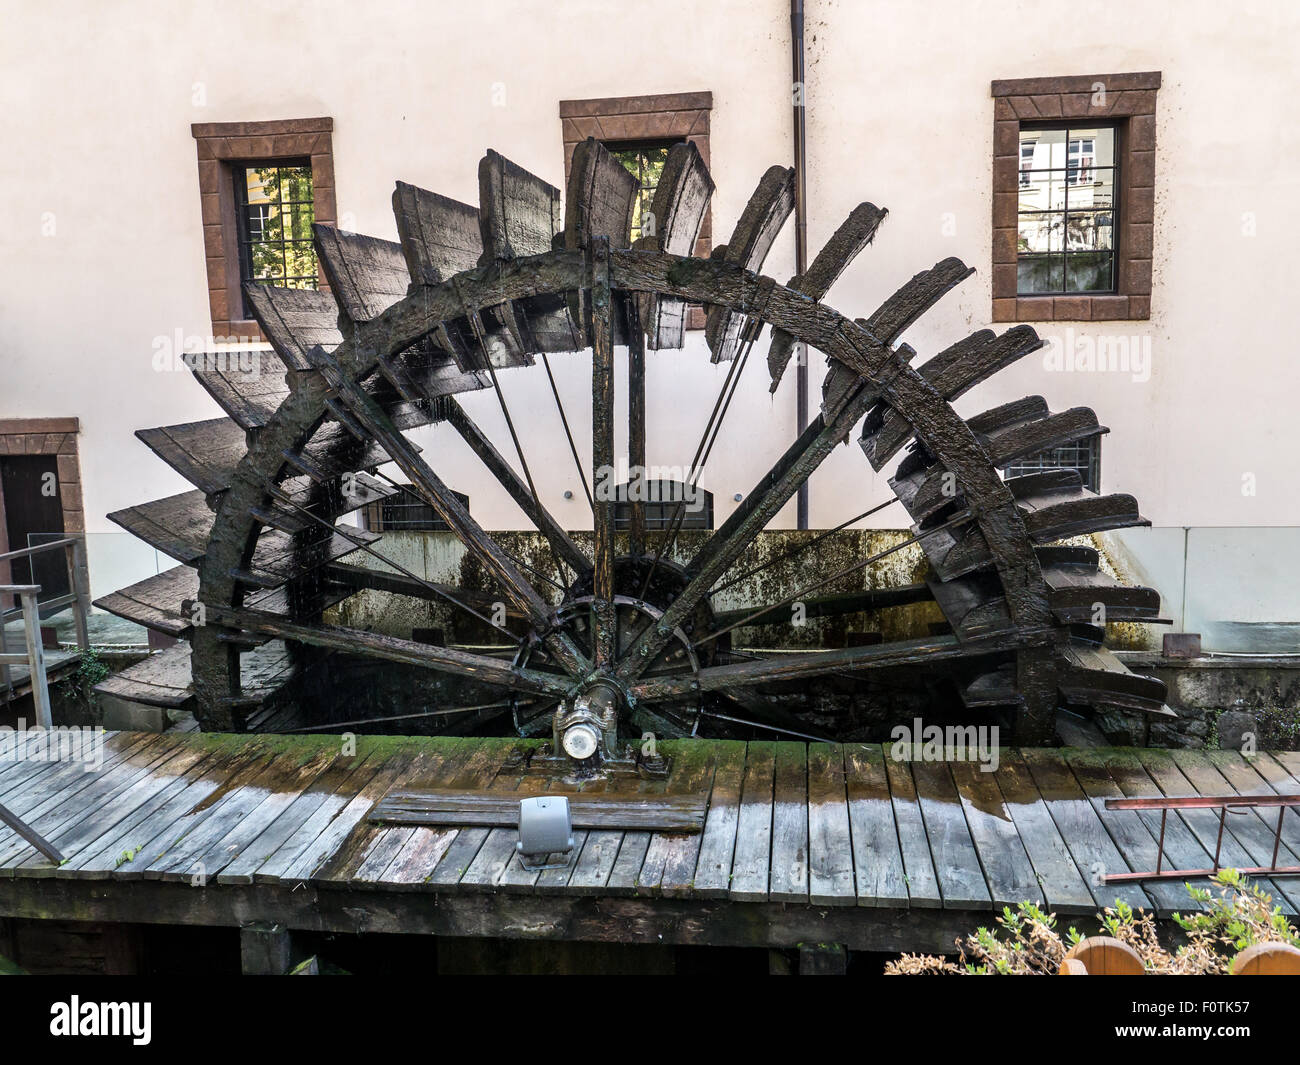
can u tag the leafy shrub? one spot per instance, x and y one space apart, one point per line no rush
1236 915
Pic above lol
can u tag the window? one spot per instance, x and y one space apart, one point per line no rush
406 510
1065 232
275 211
261 185
640 130
1083 456
645 160
663 499
1074 197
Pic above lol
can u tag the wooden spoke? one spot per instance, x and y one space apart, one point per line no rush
391 649
819 663
602 450
523 494
449 508
636 456
745 523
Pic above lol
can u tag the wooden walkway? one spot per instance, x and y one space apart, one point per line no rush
837 838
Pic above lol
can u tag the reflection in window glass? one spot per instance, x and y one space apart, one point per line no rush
1066 224
276 212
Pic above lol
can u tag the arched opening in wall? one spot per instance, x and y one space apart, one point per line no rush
663 499
406 510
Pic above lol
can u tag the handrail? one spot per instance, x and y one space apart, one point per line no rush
78 597
32 611
27 552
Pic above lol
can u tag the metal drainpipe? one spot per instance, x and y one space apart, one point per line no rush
799 99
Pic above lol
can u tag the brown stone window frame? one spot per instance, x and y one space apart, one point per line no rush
1130 105
220 146
666 116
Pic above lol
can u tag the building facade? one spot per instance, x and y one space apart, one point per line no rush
1120 179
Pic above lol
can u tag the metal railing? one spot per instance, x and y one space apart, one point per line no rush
31 610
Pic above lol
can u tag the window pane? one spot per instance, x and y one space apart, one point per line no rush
1042 190
1096 192
1039 232
1039 273
1065 224
1089 271
1089 231
1048 145
276 213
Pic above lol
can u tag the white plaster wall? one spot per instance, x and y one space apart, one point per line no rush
98 99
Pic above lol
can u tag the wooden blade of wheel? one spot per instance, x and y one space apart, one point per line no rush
677 213
759 223
854 234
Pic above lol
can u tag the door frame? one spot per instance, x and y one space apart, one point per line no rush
46 436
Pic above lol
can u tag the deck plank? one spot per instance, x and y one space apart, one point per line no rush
1075 814
877 860
51 798
304 865
830 842
295 822
1008 871
789 881
670 858
245 815
682 855
425 847
1064 884
101 805
751 864
918 863
113 854
1179 778
817 825
718 840
956 861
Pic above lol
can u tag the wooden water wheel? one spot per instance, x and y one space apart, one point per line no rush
470 294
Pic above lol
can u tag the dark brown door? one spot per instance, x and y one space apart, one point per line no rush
34 515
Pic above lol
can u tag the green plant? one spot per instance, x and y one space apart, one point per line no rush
90 670
1236 914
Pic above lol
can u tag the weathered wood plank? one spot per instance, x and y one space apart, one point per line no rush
878 870
752 861
98 857
67 806
790 825
1246 841
1008 871
1064 884
670 859
1129 831
830 844
918 863
127 856
243 817
426 847
718 842
956 861
1088 838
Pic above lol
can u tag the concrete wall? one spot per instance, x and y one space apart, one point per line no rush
101 246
